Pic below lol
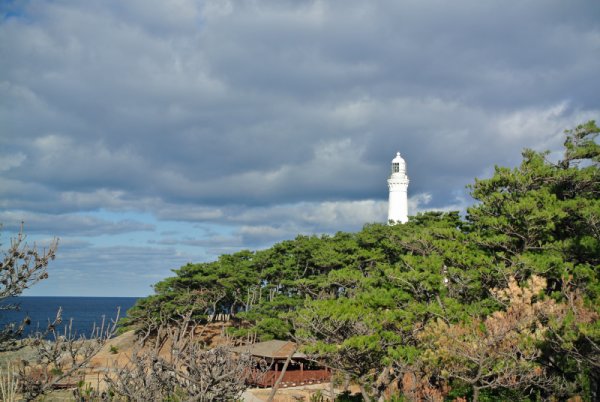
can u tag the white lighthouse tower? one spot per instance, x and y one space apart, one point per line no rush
398 186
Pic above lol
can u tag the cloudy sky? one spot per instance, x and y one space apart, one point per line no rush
150 133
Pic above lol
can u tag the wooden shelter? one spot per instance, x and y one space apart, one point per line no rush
300 370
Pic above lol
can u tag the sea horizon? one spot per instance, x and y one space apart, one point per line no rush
84 311
93 296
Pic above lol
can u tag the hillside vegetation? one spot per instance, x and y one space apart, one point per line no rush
502 303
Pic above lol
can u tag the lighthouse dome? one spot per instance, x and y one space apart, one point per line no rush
398 164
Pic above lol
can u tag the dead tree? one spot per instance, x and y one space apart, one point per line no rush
60 354
21 267
171 360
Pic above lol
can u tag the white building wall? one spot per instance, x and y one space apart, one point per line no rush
398 189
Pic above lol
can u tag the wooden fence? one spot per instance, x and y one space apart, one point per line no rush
291 378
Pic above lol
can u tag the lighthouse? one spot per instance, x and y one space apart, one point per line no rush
398 186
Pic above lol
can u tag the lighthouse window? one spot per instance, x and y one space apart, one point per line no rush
395 167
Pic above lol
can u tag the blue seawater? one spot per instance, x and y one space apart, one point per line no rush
84 311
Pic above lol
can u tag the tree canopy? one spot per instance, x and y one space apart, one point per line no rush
501 302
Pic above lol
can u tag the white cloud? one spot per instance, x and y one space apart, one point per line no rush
272 118
8 162
69 224
539 128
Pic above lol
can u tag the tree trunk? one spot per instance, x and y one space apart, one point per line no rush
276 385
332 387
364 393
346 382
382 383
475 394
594 386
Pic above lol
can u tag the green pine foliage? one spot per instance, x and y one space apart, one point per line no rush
370 304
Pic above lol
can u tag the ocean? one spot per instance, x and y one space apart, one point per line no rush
84 311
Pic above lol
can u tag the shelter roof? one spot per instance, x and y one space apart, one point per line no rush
274 349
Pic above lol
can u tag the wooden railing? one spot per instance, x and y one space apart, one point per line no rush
290 378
